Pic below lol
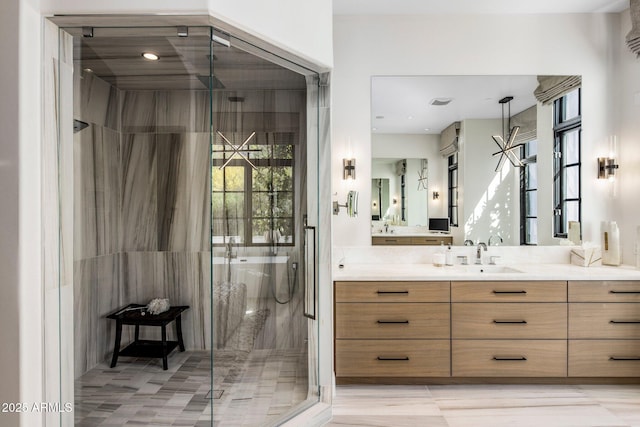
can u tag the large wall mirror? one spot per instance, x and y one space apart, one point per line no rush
412 118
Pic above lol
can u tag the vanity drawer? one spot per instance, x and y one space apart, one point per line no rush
598 320
604 358
511 291
509 358
604 291
509 320
392 291
432 241
388 240
392 358
380 320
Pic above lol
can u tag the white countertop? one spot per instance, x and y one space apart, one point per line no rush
526 272
411 234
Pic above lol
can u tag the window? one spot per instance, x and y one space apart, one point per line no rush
567 129
254 206
529 194
452 180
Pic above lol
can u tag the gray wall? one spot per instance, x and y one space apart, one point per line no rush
142 211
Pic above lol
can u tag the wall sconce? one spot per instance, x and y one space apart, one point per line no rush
436 195
348 168
395 201
607 168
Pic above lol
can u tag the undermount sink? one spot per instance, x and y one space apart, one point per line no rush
488 269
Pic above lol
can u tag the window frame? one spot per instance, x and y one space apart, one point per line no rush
248 192
527 160
452 191
561 128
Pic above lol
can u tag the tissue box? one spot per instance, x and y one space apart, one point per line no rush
586 257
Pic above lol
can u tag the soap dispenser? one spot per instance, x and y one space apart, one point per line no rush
448 257
610 243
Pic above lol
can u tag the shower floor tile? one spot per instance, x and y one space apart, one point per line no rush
250 388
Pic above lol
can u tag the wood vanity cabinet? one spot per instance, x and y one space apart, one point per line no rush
471 331
412 240
392 329
509 329
604 329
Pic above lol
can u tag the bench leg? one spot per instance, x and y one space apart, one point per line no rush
116 346
164 348
179 332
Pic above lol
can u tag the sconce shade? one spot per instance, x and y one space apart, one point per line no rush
606 168
348 168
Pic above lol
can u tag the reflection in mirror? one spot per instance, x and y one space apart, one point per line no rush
399 191
511 205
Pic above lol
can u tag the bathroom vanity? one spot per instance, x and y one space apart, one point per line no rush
455 326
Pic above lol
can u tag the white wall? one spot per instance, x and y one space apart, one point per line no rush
20 250
627 94
301 27
462 45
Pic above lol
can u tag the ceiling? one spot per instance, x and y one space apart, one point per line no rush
116 56
402 104
412 7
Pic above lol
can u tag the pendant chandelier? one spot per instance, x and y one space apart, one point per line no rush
506 142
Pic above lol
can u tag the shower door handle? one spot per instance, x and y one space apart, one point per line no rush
311 269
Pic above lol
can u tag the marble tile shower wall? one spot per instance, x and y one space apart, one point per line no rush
142 211
141 219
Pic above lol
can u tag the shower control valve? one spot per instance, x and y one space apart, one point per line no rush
294 265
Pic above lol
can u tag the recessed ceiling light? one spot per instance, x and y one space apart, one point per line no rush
88 70
410 117
375 128
427 129
150 56
438 102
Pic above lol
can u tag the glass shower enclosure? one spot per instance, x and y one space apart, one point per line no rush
194 180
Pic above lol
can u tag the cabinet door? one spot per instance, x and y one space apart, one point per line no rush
509 291
509 320
399 320
604 291
392 292
392 358
509 358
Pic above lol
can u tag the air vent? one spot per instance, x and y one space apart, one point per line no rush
379 117
438 102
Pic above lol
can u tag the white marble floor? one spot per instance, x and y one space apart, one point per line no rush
487 405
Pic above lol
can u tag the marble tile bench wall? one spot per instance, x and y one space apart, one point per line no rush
142 209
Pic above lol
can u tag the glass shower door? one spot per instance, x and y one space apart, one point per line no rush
264 210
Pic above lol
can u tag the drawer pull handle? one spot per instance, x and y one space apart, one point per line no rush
392 292
509 358
405 322
624 358
509 292
624 321
624 292
394 359
520 322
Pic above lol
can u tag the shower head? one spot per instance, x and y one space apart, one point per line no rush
78 125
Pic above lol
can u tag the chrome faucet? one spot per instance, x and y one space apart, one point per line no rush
468 242
229 253
492 236
481 246
386 227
